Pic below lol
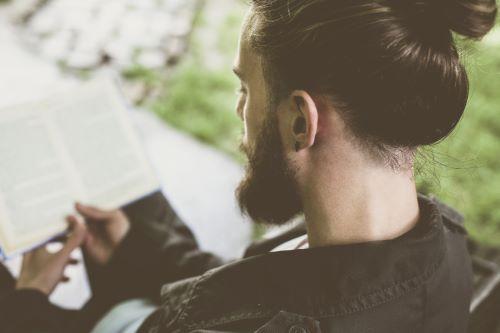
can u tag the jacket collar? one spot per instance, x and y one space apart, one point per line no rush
321 281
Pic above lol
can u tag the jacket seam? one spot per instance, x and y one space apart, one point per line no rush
180 314
183 313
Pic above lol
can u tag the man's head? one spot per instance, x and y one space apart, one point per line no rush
268 193
373 78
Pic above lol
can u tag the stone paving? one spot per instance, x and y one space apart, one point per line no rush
87 34
199 180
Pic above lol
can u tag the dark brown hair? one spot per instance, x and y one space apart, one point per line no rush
390 66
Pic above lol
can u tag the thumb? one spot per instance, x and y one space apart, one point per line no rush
76 236
93 213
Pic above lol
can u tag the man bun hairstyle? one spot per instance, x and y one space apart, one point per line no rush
390 67
470 18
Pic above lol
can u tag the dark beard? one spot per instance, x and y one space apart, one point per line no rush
268 193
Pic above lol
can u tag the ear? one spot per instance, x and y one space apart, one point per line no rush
302 124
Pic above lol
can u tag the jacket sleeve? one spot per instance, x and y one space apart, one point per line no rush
159 249
29 311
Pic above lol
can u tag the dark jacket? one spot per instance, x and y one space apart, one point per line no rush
418 282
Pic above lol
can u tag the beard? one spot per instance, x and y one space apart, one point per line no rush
268 193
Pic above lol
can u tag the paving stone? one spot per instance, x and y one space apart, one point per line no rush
152 58
58 46
20 10
83 60
96 25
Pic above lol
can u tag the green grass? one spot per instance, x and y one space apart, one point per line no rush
147 76
202 102
197 99
462 170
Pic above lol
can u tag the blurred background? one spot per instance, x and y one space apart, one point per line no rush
174 58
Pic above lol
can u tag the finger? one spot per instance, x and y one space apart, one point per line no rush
28 255
94 213
59 239
75 238
40 252
70 219
78 232
89 240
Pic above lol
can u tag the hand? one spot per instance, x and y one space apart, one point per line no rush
106 230
43 270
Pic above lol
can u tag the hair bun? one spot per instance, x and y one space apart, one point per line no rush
470 18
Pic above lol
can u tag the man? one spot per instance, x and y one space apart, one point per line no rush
335 96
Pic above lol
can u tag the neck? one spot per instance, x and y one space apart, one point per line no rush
355 204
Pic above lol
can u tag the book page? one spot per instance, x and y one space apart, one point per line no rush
78 146
102 146
35 190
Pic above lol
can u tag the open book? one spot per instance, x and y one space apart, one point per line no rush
76 146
